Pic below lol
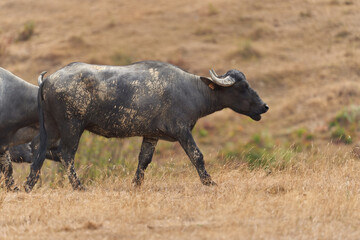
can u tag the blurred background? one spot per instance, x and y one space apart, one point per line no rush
301 56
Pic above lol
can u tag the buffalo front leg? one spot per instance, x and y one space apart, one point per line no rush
145 156
7 170
196 157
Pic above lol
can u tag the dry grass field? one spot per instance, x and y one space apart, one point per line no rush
293 175
315 197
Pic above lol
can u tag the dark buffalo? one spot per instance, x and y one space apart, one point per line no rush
19 122
151 99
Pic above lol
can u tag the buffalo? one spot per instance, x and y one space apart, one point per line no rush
151 99
19 123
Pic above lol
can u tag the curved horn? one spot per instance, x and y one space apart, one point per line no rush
224 82
41 76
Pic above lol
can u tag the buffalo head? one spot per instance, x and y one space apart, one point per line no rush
237 94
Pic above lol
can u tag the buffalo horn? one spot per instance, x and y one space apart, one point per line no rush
224 82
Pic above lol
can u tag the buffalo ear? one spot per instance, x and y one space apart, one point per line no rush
206 79
208 82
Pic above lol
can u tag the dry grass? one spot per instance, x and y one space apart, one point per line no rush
316 197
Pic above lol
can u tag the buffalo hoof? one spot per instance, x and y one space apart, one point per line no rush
13 189
27 188
30 182
79 188
208 182
136 182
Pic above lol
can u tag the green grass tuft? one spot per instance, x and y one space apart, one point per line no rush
120 58
27 32
346 125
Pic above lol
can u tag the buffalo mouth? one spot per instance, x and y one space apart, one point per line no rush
257 114
256 117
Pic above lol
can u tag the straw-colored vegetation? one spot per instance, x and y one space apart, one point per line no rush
293 175
314 194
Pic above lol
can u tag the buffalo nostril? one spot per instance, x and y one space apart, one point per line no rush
266 107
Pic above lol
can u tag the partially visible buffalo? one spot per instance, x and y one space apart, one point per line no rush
151 99
19 122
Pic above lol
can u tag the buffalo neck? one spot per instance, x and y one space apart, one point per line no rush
209 98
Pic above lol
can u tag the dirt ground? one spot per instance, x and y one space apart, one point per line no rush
303 58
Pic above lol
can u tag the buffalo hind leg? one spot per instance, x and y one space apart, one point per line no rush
68 146
7 170
69 139
145 156
196 157
52 152
51 138
67 158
